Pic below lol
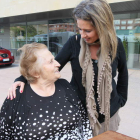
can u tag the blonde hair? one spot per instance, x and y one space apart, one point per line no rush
29 65
101 16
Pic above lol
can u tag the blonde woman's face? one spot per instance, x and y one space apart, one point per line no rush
87 31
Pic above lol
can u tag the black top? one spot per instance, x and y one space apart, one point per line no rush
58 116
70 52
101 117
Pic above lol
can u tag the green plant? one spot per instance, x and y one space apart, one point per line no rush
40 32
21 30
137 39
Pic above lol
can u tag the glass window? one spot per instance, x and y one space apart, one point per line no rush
129 27
5 41
17 35
137 20
130 37
130 21
116 22
123 22
37 32
58 37
1 30
123 27
117 27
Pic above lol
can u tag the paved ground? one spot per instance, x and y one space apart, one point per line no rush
130 114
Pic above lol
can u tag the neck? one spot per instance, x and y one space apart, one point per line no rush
43 88
97 42
93 50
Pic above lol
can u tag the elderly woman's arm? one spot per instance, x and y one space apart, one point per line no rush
12 89
21 78
122 83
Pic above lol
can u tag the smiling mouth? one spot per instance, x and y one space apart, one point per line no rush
57 71
86 39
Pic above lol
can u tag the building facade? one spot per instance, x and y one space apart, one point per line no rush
51 23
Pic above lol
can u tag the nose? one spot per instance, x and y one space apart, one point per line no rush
83 35
57 64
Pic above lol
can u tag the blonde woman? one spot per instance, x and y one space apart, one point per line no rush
96 55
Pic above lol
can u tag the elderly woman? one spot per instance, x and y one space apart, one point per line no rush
96 55
48 108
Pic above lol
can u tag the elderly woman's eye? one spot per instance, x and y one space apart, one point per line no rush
51 61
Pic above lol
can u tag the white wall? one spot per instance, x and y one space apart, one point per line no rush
20 7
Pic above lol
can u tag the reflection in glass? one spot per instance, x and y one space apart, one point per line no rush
130 36
37 32
53 33
17 35
59 32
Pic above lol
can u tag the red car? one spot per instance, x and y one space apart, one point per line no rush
6 57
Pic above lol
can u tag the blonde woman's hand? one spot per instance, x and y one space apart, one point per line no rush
12 90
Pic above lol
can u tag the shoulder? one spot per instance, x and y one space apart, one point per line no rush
67 87
119 40
62 81
21 96
18 91
121 54
75 38
9 103
18 94
120 45
120 48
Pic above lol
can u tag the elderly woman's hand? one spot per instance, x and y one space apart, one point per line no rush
12 89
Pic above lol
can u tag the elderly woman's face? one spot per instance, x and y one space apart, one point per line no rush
87 31
49 66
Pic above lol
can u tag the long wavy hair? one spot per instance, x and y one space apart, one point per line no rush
101 17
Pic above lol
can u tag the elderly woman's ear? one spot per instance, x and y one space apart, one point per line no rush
36 77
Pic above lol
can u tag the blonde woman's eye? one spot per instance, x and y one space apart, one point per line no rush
88 31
